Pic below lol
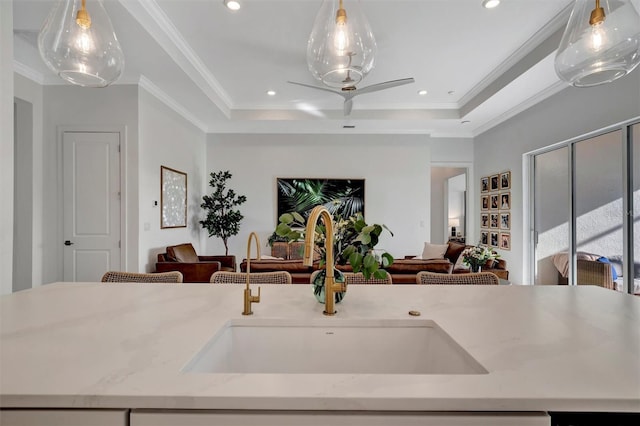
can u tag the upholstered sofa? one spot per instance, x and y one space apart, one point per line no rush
194 268
402 271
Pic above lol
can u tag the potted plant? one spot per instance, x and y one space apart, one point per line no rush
354 244
222 220
477 256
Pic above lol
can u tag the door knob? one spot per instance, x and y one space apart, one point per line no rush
68 243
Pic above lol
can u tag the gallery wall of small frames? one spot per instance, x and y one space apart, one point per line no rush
495 210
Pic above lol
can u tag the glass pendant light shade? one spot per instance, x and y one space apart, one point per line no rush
78 43
600 44
341 48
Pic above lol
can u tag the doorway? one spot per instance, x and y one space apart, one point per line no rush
449 198
92 205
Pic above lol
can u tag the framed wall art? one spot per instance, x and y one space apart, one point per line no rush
344 197
494 220
484 238
505 180
173 198
494 202
505 220
485 202
495 209
493 236
494 182
484 184
484 220
505 201
505 241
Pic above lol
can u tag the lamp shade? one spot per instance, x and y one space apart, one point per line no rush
600 44
454 222
341 48
78 43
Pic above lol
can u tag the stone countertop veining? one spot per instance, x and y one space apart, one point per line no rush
547 348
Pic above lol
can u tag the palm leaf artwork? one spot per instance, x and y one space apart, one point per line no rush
342 197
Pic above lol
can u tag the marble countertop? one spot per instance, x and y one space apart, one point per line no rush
547 348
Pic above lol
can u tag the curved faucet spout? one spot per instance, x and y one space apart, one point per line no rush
330 285
248 297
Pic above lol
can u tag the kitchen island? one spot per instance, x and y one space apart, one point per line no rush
121 348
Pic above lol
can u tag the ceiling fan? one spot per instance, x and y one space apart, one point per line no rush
349 92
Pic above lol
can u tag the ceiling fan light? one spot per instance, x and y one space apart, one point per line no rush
600 44
78 43
341 48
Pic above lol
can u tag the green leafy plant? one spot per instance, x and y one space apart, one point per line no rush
354 242
222 220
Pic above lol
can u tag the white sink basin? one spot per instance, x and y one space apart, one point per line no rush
333 346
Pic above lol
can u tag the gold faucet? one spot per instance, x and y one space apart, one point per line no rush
248 297
330 285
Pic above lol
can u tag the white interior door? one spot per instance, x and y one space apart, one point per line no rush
91 175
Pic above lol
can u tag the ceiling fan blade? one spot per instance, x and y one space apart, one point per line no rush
384 85
316 87
348 106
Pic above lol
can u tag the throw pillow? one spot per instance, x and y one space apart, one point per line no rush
459 265
434 251
454 251
183 253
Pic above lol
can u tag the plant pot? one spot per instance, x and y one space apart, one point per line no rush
318 285
475 268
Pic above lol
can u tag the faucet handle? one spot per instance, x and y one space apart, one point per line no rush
256 299
248 300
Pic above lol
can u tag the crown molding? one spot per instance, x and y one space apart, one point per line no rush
521 107
163 97
28 72
159 26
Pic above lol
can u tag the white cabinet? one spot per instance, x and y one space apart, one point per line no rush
316 418
29 417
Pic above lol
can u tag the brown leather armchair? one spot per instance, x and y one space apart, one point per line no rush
194 268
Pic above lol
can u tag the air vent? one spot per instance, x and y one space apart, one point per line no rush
348 126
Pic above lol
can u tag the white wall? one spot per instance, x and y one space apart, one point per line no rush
396 169
6 146
32 92
110 109
570 113
169 140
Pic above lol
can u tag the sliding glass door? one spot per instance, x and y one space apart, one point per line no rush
551 212
582 190
598 190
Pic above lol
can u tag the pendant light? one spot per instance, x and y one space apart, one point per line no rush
341 48
600 44
78 43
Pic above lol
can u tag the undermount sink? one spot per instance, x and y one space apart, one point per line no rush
334 346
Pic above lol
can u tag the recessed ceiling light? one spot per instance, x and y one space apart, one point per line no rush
232 4
490 4
465 122
422 92
451 92
271 92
